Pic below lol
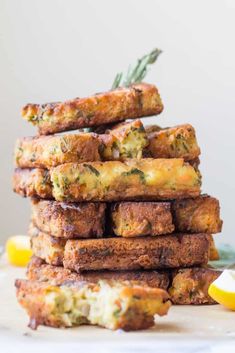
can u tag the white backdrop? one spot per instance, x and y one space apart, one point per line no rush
54 50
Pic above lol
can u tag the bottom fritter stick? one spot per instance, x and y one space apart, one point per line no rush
110 304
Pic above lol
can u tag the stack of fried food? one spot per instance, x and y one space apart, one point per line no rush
118 219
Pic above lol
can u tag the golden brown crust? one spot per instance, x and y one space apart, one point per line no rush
175 142
133 140
53 250
153 128
148 179
201 214
127 219
50 151
38 270
136 101
47 247
195 163
167 251
69 220
31 296
213 254
131 219
32 182
190 286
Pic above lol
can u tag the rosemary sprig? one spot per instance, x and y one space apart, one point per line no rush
134 73
138 72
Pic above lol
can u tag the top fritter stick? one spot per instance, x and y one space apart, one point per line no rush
135 101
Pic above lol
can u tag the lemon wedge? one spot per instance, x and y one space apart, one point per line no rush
222 290
18 250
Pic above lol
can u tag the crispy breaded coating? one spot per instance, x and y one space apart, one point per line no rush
50 151
55 250
131 219
47 247
153 128
136 101
190 286
167 251
127 219
213 254
38 270
32 182
195 163
69 220
130 180
125 140
110 304
175 142
201 214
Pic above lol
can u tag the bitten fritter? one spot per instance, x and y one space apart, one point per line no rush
132 102
126 140
130 180
50 151
110 304
131 219
190 286
38 270
175 142
69 220
201 214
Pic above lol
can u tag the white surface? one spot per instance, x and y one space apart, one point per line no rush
184 329
57 49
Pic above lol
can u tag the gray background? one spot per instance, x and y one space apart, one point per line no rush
54 50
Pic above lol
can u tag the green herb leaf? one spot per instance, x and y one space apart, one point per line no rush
92 169
137 72
135 171
116 313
